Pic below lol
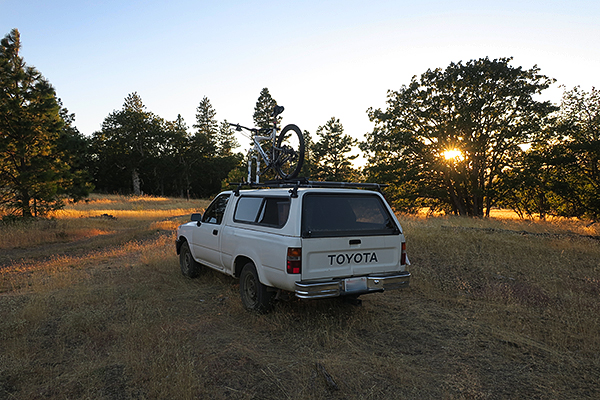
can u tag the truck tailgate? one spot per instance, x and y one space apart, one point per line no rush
327 258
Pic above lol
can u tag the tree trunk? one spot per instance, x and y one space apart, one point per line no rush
25 203
136 182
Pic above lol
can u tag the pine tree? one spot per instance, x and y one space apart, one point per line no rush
263 110
330 153
183 160
308 164
226 140
34 173
206 129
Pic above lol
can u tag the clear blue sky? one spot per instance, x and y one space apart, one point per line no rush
319 59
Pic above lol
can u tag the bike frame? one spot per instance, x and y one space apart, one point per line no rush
252 153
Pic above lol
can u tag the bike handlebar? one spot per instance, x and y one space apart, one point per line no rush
239 127
276 111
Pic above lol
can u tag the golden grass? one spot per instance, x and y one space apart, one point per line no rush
99 215
498 309
41 232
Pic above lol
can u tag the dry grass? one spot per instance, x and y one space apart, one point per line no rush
103 220
497 309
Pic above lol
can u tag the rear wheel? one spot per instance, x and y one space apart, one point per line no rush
189 267
289 155
254 294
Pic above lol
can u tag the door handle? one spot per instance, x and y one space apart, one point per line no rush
215 232
355 241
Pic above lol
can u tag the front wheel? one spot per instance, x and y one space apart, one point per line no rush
289 154
255 295
189 267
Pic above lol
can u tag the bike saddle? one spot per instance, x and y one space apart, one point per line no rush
276 111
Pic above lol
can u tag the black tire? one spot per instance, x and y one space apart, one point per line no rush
189 267
289 155
254 294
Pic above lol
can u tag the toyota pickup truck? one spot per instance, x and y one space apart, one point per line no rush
311 241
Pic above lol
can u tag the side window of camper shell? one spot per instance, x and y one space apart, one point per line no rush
268 211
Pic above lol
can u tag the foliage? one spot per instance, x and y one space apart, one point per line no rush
309 160
447 139
559 174
74 148
331 161
130 139
37 170
263 110
579 124
225 140
263 119
137 151
179 160
528 186
206 128
460 140
211 154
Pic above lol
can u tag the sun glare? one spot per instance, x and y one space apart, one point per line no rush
453 154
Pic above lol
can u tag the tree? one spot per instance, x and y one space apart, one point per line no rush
330 153
579 151
447 139
129 138
263 110
139 151
35 175
165 173
225 140
206 128
560 173
308 164
206 176
75 150
529 186
182 159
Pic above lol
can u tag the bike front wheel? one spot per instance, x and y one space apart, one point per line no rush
289 153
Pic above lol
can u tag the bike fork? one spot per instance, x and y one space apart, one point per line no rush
250 158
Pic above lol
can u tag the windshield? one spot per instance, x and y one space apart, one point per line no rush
328 215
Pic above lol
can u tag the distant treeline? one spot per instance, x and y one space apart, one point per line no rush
461 140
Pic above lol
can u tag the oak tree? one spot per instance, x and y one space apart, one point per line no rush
447 138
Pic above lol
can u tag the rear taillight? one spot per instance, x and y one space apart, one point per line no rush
294 260
403 254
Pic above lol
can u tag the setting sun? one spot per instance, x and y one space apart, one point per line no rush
453 154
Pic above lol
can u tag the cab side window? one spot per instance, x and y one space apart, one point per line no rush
216 209
269 211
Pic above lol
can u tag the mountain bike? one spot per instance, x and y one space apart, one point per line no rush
284 154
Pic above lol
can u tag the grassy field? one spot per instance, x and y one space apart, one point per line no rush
92 305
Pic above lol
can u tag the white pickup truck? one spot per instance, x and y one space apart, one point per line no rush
313 242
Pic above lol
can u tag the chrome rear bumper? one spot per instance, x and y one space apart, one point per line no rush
341 287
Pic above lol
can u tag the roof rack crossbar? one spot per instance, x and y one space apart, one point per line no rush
294 184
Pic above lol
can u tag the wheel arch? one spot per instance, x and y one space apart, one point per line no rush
239 264
179 242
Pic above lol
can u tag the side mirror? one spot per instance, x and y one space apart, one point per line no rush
197 217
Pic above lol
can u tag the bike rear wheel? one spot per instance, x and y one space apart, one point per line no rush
289 154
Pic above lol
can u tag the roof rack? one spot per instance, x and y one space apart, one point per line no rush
294 184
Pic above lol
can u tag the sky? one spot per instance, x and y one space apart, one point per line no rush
318 58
